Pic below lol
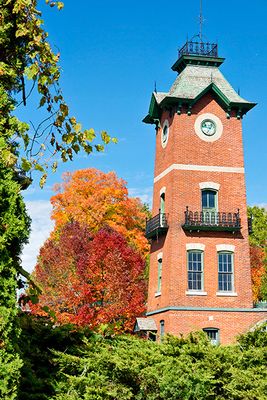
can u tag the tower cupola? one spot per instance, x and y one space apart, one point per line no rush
198 73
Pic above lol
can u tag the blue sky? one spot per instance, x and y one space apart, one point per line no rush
111 55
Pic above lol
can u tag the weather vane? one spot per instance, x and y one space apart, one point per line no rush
200 22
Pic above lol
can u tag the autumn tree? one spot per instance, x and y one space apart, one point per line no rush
258 252
258 271
90 278
97 199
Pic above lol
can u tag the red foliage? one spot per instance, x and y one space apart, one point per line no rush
257 257
91 279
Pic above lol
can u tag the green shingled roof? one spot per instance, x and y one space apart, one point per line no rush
194 79
191 84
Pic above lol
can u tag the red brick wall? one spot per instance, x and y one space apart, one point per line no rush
230 324
185 147
182 189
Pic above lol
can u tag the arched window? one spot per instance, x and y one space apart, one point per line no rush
162 203
162 206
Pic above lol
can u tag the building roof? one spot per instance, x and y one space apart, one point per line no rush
194 79
191 84
145 324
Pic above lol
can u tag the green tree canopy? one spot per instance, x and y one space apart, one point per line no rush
27 62
259 226
86 366
14 231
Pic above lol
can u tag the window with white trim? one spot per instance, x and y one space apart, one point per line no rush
195 270
162 203
209 200
225 271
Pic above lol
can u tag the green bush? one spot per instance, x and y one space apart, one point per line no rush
64 364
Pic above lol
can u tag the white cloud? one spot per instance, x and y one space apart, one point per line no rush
262 205
145 194
41 226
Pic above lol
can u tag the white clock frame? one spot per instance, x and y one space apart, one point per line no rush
201 134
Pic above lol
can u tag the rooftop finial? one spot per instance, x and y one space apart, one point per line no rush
200 22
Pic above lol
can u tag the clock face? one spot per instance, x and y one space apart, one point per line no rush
208 127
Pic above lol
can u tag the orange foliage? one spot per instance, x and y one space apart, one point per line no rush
257 256
97 199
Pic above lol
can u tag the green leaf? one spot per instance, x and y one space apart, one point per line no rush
42 180
73 121
76 148
88 148
42 101
57 98
114 140
68 127
89 134
105 137
38 167
8 157
77 128
26 165
31 71
54 166
99 147
26 140
64 109
60 5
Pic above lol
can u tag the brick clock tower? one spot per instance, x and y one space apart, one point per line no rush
200 275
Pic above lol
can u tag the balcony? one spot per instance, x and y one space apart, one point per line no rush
211 221
199 49
156 226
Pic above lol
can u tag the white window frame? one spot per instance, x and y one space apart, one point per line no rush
196 292
227 249
216 199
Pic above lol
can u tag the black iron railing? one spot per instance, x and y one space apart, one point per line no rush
156 226
207 220
199 49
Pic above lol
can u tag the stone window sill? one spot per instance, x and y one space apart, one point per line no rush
157 294
227 294
195 293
